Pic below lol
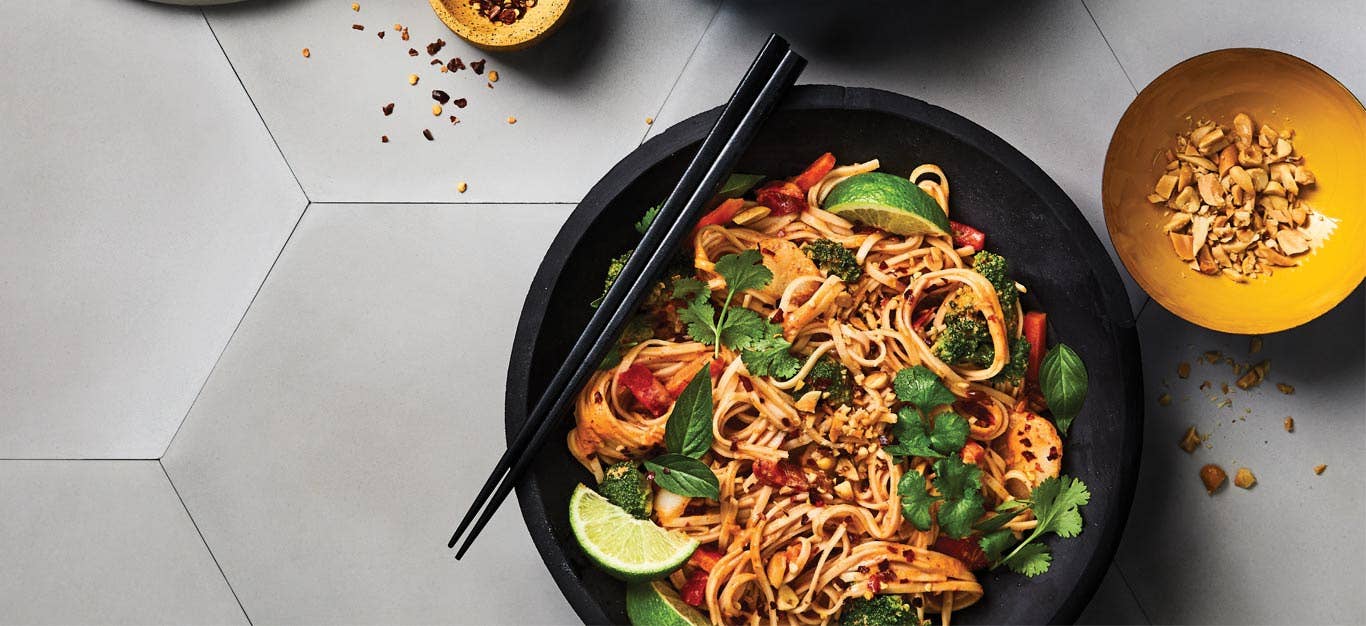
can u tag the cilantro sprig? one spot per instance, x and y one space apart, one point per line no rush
960 496
1056 503
758 340
918 434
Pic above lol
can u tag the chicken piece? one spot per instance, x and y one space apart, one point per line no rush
788 263
1033 447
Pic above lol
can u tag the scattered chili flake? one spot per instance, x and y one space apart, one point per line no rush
489 85
1285 389
427 133
355 6
512 120
412 52
460 102
1190 441
1183 369
493 76
357 27
384 139
380 34
1164 399
440 96
436 62
1213 476
455 64
455 120
478 66
461 187
1318 469
412 79
506 12
1243 478
307 53
404 34
388 108
436 109
1290 424
436 46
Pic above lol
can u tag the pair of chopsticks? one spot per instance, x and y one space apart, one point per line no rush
769 77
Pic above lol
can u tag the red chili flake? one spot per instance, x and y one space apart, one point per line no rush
435 46
427 133
744 382
597 397
780 474
455 120
863 569
874 585
384 139
1027 443
1053 453
440 96
459 102
883 565
388 108
478 66
380 34
734 445
455 64
436 62
777 317
1028 456
357 27
412 52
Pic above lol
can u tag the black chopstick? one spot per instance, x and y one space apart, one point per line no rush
774 70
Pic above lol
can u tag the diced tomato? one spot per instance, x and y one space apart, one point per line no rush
964 235
704 558
972 452
965 550
781 198
695 589
814 172
1036 331
647 389
780 474
722 214
718 367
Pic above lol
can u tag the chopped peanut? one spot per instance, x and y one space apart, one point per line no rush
1191 440
1164 399
307 53
512 120
1285 389
1213 476
1244 478
436 109
1183 370
355 6
1290 424
412 79
1254 345
461 187
1318 469
493 77
649 121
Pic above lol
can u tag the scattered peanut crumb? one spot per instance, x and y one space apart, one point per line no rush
355 6
307 53
455 120
1206 385
1183 369
444 70
1190 441
436 109
1224 388
387 109
1213 356
1289 424
512 120
1318 469
1254 345
649 121
398 26
1285 389
357 27
493 76
1244 478
1254 376
412 79
380 34
461 187
1164 399
1213 476
404 33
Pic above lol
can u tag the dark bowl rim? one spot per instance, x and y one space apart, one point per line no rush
816 97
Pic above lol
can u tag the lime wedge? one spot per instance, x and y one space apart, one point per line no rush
627 548
888 202
656 604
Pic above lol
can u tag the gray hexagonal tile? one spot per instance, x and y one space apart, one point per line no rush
1283 551
103 542
1038 74
357 411
580 98
1149 37
144 202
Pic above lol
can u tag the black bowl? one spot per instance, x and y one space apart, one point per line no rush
1027 218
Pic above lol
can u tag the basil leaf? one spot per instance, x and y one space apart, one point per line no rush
688 431
737 184
684 476
919 386
1063 380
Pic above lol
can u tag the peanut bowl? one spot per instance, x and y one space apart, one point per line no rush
1327 125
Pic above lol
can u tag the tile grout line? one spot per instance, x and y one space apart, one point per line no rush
255 108
1107 45
204 541
1124 579
46 459
235 328
682 70
422 203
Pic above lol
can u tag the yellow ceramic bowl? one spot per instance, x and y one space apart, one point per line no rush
464 20
1276 89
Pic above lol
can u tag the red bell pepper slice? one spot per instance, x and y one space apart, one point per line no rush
814 172
722 214
718 367
1035 331
647 389
695 589
781 198
780 474
964 235
965 550
704 558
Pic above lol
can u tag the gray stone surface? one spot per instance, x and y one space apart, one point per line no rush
1288 551
1114 603
1038 74
103 542
580 97
355 415
141 204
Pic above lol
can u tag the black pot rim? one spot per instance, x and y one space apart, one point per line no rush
805 97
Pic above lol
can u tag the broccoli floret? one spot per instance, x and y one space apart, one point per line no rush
1014 371
613 270
965 339
623 485
830 376
883 610
834 259
994 267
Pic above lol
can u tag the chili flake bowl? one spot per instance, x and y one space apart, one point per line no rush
1273 88
465 20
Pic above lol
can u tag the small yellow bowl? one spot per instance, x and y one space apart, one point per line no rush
1273 88
465 21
